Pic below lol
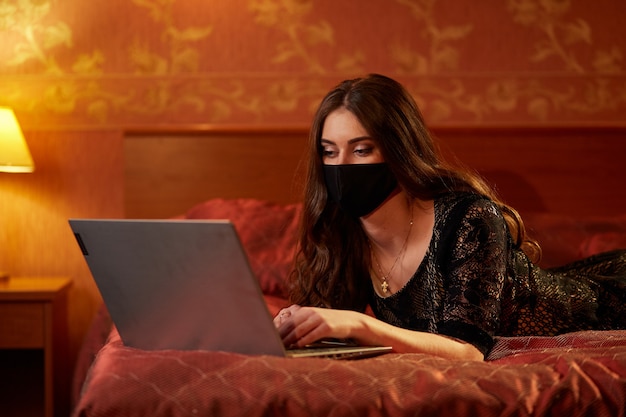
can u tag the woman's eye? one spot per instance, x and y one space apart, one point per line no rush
328 153
363 151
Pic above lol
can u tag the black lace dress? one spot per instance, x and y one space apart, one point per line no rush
474 284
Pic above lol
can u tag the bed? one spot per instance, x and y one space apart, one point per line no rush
254 178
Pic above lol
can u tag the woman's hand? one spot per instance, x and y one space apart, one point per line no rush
301 326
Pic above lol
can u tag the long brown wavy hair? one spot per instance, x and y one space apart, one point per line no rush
333 259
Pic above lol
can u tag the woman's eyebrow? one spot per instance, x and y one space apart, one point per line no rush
351 141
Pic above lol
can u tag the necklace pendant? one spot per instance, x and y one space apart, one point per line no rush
385 287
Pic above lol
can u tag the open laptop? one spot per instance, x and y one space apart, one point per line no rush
186 285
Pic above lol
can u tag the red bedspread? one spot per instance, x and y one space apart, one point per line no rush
575 374
570 375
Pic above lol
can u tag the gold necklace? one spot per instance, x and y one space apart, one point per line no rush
384 278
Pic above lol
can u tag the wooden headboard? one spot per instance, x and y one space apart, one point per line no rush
568 171
168 172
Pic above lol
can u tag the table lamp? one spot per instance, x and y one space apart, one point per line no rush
14 153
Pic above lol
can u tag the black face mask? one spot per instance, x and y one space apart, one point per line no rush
359 188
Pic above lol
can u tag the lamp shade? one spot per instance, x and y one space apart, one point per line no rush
14 153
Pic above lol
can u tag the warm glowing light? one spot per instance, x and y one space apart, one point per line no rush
14 153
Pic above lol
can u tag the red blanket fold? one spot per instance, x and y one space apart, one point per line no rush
575 374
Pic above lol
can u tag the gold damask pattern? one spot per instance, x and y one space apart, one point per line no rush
179 56
293 51
35 38
560 34
440 54
288 17
442 101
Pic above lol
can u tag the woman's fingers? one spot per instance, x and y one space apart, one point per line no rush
304 326
300 326
285 314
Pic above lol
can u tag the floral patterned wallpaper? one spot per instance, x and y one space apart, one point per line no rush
73 64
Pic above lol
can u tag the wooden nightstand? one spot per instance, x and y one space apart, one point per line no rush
33 331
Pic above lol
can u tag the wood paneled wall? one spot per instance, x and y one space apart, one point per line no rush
76 175
569 172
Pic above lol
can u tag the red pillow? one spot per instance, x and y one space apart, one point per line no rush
268 232
603 242
565 239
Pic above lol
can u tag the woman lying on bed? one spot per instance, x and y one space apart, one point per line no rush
443 263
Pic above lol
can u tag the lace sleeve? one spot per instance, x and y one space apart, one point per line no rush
474 273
